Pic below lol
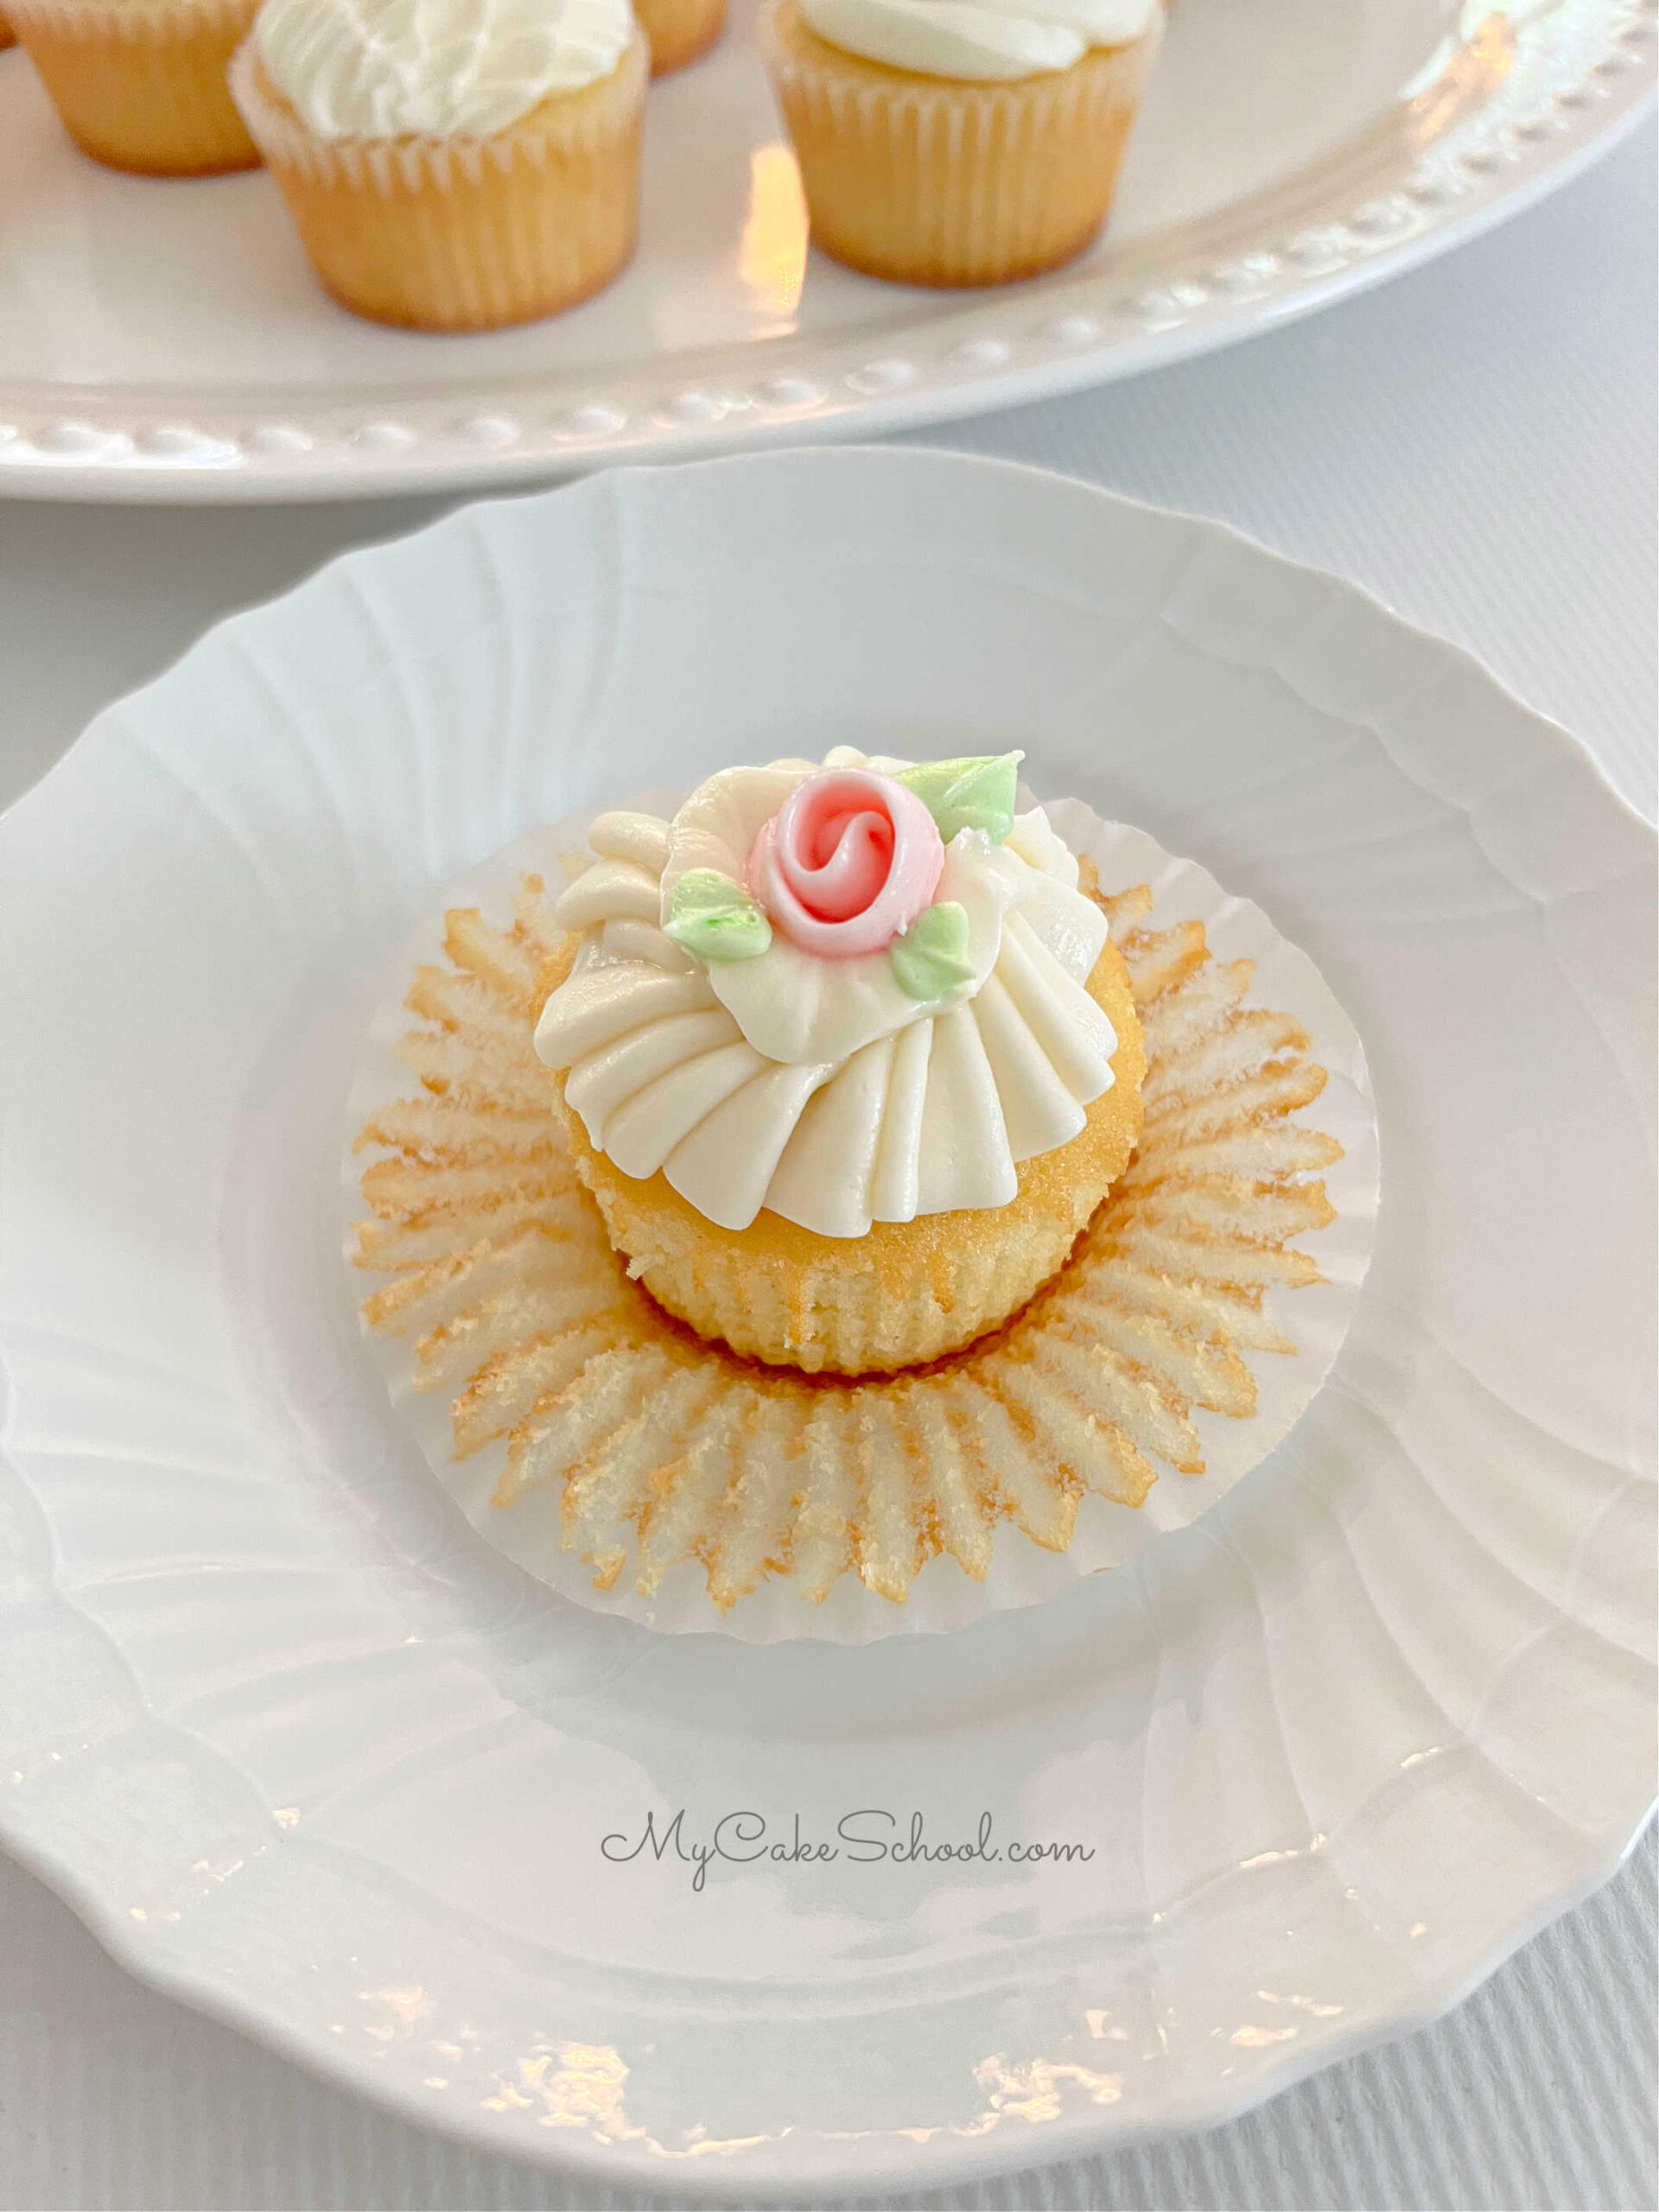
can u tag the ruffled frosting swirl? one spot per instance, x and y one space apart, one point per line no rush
982 41
822 1087
433 68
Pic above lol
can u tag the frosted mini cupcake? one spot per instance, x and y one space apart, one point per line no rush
451 164
958 142
847 1057
140 84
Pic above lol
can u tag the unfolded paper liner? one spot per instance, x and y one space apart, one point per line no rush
942 182
141 85
680 31
639 1471
463 234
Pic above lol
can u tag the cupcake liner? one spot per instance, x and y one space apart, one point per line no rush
939 181
680 31
141 85
133 23
637 1470
463 234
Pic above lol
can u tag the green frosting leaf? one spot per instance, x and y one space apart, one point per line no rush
931 959
715 919
973 794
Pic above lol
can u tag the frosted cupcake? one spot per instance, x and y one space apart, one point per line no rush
680 31
140 84
846 1056
638 1464
451 164
958 142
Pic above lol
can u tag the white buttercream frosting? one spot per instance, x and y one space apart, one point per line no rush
977 38
433 68
820 1088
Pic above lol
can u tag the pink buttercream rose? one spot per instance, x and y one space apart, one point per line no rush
846 863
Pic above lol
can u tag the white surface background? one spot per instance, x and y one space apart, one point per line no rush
1476 445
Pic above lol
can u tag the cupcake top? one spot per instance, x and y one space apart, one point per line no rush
977 38
848 993
433 68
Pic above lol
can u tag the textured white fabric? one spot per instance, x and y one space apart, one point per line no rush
1474 443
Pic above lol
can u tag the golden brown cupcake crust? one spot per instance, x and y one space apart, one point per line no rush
904 1292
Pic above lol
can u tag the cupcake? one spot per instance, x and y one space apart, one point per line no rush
845 1054
679 30
830 1065
958 142
8 36
452 166
140 84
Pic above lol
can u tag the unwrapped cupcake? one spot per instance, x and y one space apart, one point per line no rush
451 164
846 1056
828 1205
958 142
140 84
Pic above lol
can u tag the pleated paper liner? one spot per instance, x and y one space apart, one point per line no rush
637 1469
938 180
463 234
140 84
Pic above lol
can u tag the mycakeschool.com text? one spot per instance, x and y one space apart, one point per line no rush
869 1836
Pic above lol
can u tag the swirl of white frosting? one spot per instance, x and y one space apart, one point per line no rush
977 38
814 1087
433 68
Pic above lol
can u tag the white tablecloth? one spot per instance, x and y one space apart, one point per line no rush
1476 444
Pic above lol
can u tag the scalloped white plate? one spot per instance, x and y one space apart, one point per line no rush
164 340
307 1753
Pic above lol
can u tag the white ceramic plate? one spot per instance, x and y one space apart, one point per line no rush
165 341
305 1751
